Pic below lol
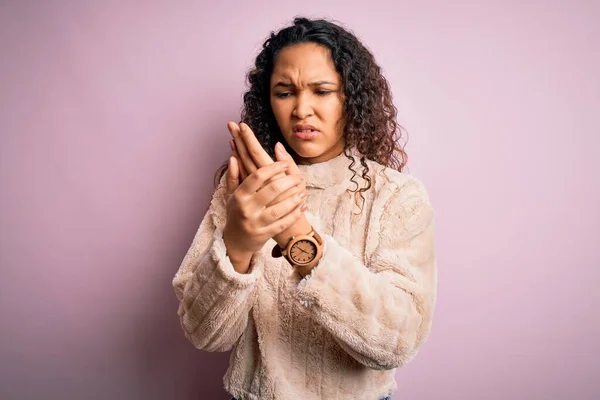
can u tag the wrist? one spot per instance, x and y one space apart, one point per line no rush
303 271
241 262
239 259
303 250
300 227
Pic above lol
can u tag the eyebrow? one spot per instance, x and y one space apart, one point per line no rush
317 83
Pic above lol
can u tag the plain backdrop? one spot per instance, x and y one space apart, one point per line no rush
113 121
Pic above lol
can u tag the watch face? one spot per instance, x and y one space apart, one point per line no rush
303 252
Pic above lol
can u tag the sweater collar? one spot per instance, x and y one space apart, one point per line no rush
331 172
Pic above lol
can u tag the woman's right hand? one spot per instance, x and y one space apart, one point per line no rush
251 218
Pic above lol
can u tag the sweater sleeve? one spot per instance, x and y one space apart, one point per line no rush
380 313
214 299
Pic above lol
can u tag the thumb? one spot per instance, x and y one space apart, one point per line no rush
233 175
282 155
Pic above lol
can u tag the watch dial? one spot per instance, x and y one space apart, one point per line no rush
303 252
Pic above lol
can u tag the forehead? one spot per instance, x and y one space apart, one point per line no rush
305 62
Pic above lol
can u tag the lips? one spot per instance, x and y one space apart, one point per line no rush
305 131
304 128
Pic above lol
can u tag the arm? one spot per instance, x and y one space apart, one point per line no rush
214 299
380 313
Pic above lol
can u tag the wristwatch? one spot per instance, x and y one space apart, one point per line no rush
302 250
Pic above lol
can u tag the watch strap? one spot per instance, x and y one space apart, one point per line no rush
276 252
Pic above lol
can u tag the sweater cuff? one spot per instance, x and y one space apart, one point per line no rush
225 267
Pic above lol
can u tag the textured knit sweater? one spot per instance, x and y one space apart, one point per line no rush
340 332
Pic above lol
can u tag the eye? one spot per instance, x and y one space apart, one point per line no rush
323 92
282 95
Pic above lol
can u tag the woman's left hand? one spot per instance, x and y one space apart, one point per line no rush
250 154
247 149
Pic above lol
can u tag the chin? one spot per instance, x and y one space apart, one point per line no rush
306 149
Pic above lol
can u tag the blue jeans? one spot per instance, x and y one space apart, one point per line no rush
385 398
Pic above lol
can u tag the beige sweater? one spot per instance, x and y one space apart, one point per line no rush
340 332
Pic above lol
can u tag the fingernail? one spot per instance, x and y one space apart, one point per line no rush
280 147
303 194
304 207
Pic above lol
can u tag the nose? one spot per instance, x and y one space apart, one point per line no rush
303 108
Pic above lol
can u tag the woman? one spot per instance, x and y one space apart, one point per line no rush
318 268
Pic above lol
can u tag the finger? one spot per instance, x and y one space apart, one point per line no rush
243 172
283 208
288 193
276 188
285 222
282 155
233 175
234 152
241 148
257 179
255 150
246 160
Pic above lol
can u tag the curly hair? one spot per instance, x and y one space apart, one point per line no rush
369 114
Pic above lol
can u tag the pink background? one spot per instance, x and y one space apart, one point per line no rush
112 122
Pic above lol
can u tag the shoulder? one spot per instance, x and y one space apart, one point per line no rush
401 202
398 185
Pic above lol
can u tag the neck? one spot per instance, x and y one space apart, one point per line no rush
331 172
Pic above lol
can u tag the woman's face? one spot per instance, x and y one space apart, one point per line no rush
307 100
